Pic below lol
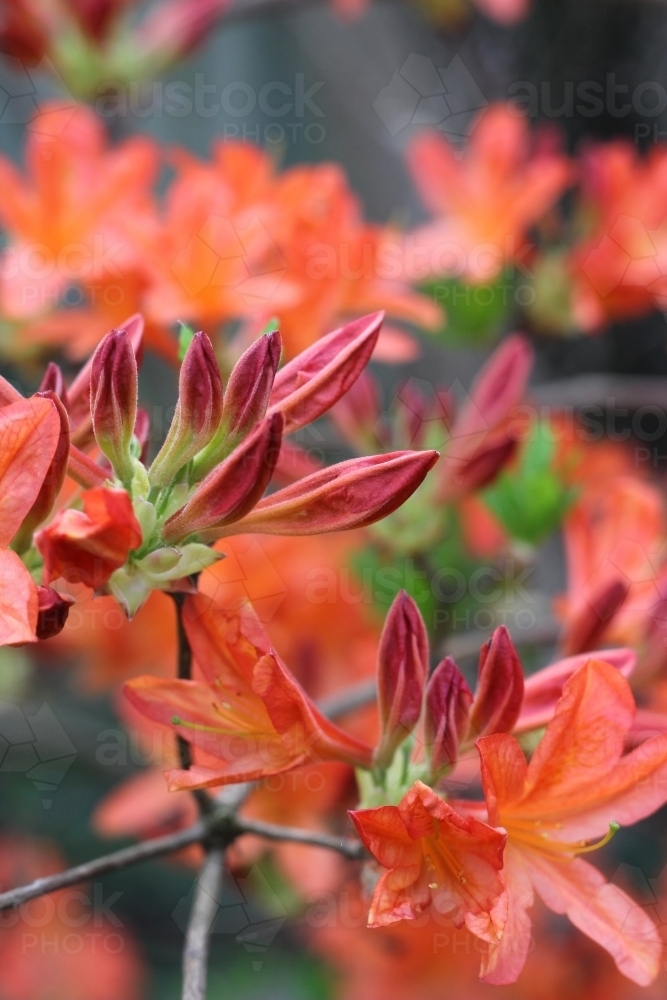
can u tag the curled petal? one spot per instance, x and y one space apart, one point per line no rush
87 546
53 480
54 381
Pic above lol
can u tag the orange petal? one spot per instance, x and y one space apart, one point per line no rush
29 434
18 601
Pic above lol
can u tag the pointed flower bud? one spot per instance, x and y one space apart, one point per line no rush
402 671
113 400
309 385
198 411
86 546
447 708
499 692
586 628
234 487
53 481
351 494
52 613
246 400
79 391
250 384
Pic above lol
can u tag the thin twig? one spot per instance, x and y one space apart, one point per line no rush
184 673
202 916
352 849
114 862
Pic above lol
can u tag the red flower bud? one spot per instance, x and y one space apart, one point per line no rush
310 384
480 443
53 612
447 708
351 494
87 546
198 411
250 384
499 692
499 387
233 488
113 400
482 467
79 391
246 400
402 671
587 626
53 481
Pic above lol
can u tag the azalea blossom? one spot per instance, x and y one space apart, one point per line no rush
249 717
435 857
485 202
575 791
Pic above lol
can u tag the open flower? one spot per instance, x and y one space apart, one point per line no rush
249 718
485 202
577 788
435 857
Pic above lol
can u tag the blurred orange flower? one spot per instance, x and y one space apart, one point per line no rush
484 202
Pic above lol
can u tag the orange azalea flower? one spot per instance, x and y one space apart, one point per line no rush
485 202
578 786
211 254
63 214
614 538
340 265
249 717
435 857
87 546
619 268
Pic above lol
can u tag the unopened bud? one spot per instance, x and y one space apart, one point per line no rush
447 707
402 672
198 411
499 693
113 400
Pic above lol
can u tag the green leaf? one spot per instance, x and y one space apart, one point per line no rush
185 337
474 312
531 500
